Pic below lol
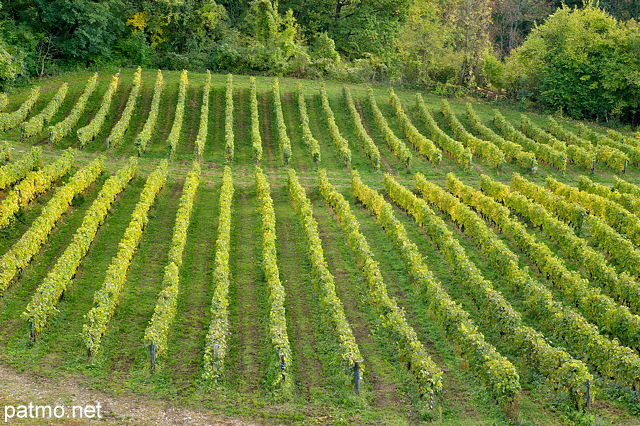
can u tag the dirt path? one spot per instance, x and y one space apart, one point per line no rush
380 374
245 367
271 153
186 345
295 275
124 341
214 148
384 161
18 389
243 151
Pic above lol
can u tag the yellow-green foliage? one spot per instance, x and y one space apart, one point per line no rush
417 139
544 153
562 322
105 300
277 318
410 350
307 136
203 129
340 142
157 333
460 154
64 127
21 253
145 134
369 145
35 124
498 374
349 352
281 127
13 172
487 151
118 131
256 139
43 303
91 130
219 325
174 135
228 121
34 184
398 147
9 120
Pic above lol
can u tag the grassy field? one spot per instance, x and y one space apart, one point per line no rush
389 394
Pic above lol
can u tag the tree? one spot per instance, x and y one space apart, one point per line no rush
582 62
471 19
178 26
513 20
425 45
82 30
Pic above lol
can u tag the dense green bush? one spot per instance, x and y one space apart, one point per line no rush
582 62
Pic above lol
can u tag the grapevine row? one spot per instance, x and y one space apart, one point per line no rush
349 352
625 187
583 339
34 184
487 151
370 148
307 136
418 140
280 375
91 130
628 201
576 154
615 215
619 137
511 150
397 146
228 120
621 250
64 127
203 129
5 152
256 139
118 131
632 152
426 373
560 132
621 286
216 344
283 138
43 303
35 124
611 157
9 120
13 172
460 154
497 373
339 141
21 253
597 307
174 135
157 333
143 138
562 370
546 153
105 300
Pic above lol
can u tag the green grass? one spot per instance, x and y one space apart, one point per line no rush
389 395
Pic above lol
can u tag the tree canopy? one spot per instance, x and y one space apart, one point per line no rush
571 55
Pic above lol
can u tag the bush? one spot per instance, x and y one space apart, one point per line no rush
580 62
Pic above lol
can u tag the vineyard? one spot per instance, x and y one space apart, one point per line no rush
296 251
